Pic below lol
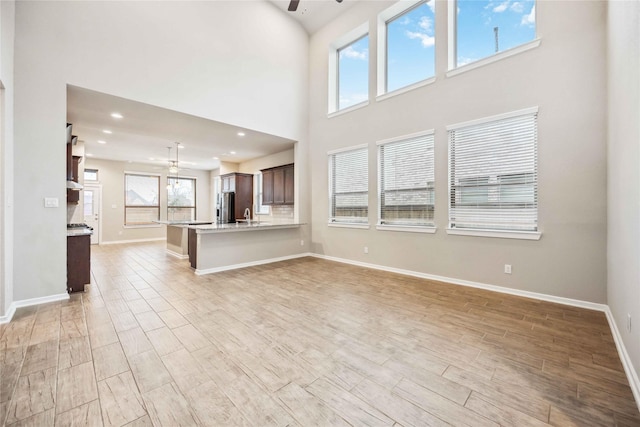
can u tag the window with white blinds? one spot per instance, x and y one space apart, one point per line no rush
493 173
406 180
349 186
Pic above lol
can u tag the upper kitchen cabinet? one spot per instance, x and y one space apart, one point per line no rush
278 185
73 162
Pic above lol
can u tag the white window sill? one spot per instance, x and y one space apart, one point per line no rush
523 235
407 228
143 226
348 225
494 58
348 109
405 89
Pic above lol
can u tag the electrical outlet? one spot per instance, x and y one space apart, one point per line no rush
628 322
301 242
366 249
507 269
50 202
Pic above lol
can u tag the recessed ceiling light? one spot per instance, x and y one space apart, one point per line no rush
181 146
215 158
116 115
152 158
107 131
241 133
232 152
88 154
101 141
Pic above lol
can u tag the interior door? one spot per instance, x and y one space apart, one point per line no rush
92 210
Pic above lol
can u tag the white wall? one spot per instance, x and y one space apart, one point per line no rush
111 178
623 255
273 160
7 32
243 63
565 76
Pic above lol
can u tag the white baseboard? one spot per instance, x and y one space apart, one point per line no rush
632 376
251 264
118 242
176 254
29 302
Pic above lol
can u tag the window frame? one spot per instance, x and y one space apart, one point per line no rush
195 195
96 171
332 222
418 228
500 233
452 54
386 16
151 223
333 106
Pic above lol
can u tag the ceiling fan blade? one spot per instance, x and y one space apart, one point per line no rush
293 5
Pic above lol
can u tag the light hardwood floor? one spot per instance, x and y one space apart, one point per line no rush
304 342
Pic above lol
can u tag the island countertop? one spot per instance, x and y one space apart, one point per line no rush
242 226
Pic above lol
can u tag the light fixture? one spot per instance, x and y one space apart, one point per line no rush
101 141
116 115
107 131
215 158
173 168
241 133
232 152
88 154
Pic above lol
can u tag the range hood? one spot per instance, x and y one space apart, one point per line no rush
72 185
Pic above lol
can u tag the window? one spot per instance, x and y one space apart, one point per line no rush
349 70
181 199
493 173
260 208
349 186
406 40
483 28
142 201
406 180
91 174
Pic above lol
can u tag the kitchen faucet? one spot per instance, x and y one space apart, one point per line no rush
247 215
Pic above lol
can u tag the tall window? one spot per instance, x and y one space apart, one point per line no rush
142 201
260 209
181 199
349 69
406 180
493 173
406 40
484 28
349 186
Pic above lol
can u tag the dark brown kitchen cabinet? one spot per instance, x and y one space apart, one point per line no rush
242 185
73 196
278 185
78 262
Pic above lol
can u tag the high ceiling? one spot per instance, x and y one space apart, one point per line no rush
144 132
314 14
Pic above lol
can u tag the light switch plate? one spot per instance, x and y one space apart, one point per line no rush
50 202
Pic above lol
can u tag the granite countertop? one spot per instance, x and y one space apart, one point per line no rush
72 232
183 223
243 226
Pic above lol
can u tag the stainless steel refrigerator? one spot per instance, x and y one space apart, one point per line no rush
226 210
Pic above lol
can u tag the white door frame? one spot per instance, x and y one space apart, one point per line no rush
99 188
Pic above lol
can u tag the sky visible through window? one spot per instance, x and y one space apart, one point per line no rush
411 42
478 19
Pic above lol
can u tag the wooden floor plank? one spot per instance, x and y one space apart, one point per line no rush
302 342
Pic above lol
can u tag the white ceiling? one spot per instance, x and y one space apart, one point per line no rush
314 14
145 132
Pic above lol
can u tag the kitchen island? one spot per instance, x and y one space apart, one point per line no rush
177 236
218 247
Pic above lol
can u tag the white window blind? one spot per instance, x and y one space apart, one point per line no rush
406 181
349 186
493 173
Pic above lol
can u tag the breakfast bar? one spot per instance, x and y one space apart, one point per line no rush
218 247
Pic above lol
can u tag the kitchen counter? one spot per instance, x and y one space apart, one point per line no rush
71 232
218 247
242 226
177 236
183 223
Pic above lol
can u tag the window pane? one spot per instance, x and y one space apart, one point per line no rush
410 47
353 73
88 202
181 214
181 192
348 192
91 174
139 216
407 191
141 190
487 27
